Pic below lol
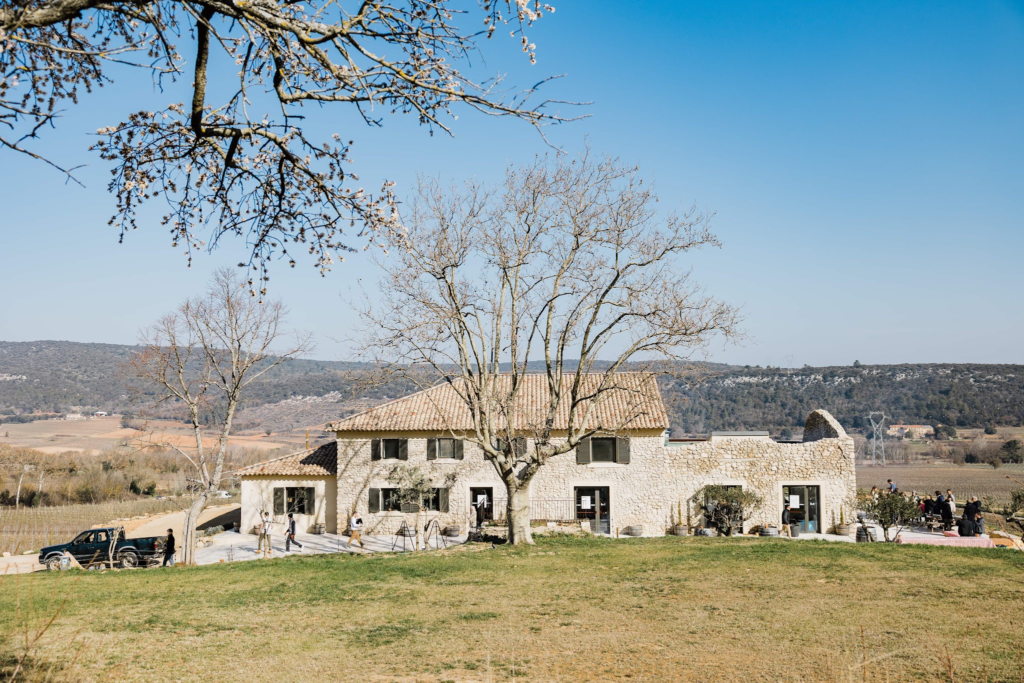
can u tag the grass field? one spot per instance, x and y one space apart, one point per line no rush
965 480
569 609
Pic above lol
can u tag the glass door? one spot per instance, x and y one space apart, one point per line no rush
594 503
804 507
481 500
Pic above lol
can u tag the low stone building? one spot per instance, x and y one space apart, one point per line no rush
634 476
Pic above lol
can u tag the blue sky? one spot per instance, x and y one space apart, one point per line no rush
865 162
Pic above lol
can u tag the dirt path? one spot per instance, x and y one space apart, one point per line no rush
176 520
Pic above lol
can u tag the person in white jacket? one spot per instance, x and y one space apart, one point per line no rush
355 525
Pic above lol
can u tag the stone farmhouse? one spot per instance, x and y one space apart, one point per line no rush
629 475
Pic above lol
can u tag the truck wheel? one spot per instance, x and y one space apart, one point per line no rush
53 563
128 560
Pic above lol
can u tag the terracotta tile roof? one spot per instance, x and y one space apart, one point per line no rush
634 403
319 461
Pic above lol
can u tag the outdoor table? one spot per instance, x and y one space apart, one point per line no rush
955 541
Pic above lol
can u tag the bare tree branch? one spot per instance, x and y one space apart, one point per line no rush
225 165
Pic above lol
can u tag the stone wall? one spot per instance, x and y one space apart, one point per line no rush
648 491
258 494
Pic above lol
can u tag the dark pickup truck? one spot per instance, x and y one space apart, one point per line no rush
97 547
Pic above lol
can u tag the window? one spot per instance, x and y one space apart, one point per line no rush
387 500
444 449
294 500
603 449
389 449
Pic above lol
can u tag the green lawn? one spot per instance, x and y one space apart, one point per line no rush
569 609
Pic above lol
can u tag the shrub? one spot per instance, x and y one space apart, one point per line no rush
727 507
990 430
890 511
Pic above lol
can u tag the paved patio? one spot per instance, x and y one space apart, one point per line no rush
234 547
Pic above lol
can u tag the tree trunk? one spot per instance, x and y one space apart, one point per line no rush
188 540
519 513
17 496
420 537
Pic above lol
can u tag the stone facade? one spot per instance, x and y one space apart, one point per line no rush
258 494
660 477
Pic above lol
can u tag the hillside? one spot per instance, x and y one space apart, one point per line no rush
55 376
963 395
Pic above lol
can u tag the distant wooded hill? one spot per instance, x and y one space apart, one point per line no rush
55 376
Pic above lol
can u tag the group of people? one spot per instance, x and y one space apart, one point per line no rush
971 522
266 528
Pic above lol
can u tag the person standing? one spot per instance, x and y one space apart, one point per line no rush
786 521
169 549
892 486
289 536
265 529
355 525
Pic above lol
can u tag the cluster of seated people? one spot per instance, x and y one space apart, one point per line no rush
943 507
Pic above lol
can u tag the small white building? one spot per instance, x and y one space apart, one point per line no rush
632 476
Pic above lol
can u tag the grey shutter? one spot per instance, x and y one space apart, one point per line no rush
374 500
583 452
278 501
442 498
403 449
622 449
431 449
310 500
457 451
375 449
519 446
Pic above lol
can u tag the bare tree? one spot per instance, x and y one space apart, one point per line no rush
204 355
566 263
223 161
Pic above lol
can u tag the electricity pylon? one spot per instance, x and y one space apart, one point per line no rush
877 437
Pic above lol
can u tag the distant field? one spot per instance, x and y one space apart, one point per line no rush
569 609
105 433
965 480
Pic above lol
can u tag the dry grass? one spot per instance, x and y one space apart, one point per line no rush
566 610
965 480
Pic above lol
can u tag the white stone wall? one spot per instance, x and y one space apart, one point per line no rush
258 494
646 492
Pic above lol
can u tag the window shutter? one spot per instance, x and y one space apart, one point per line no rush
310 500
442 498
374 500
375 449
403 449
519 446
458 456
278 501
622 449
583 452
431 449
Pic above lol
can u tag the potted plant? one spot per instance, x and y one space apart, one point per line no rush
678 529
842 529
